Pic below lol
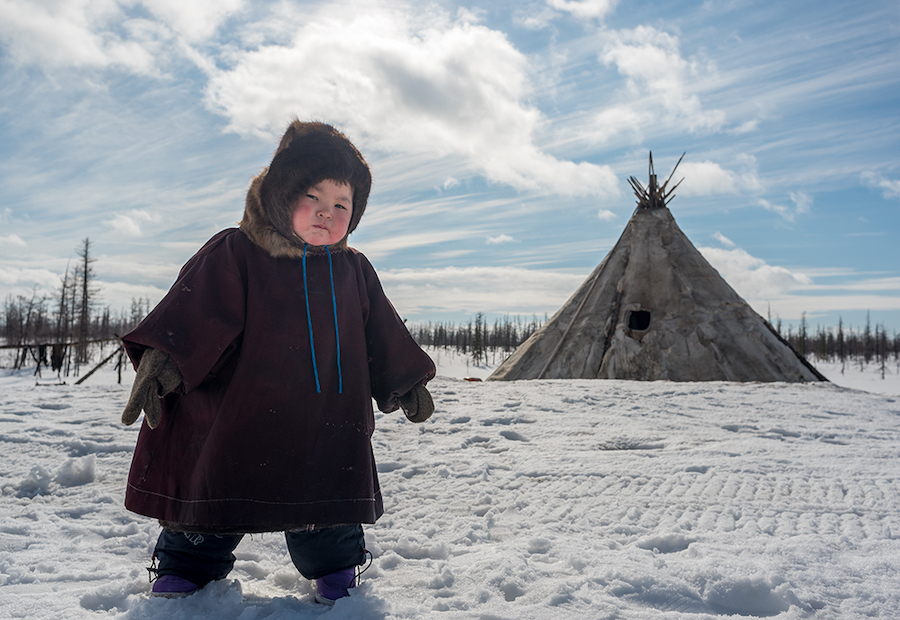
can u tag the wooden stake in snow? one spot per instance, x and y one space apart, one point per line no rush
98 366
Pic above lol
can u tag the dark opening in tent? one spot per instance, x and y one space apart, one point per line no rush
638 320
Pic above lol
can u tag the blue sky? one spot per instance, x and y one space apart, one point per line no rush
501 136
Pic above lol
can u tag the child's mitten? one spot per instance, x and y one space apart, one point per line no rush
417 404
157 375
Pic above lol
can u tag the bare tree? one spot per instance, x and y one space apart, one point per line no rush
801 335
86 294
868 342
25 323
63 328
840 343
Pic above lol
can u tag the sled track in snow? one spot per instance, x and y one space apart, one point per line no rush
659 499
713 502
813 481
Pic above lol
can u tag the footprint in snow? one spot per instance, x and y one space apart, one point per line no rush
666 543
53 406
384 468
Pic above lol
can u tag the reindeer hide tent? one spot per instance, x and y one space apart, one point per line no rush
655 309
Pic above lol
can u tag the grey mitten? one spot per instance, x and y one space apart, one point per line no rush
417 404
157 375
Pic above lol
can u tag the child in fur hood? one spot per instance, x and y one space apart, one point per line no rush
256 374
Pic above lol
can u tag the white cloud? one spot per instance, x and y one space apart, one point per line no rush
387 245
856 283
792 307
118 295
129 224
606 215
890 188
753 278
789 293
478 289
106 33
27 277
531 17
708 178
499 239
584 9
440 88
124 225
781 210
659 79
746 127
15 240
449 255
617 120
195 20
723 239
802 203
72 33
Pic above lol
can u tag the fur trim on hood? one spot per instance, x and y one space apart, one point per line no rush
308 154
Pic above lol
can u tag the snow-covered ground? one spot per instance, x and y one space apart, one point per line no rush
539 499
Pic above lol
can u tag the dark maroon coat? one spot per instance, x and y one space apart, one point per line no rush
250 445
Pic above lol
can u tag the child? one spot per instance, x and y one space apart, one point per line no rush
256 373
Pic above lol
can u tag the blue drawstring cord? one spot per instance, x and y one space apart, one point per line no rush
337 336
312 344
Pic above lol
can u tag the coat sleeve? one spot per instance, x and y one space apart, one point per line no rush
201 317
396 362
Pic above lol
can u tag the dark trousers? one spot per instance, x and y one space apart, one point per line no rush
201 558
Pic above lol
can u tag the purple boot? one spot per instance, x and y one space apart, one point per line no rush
334 586
172 586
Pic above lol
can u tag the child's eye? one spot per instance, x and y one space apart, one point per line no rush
340 206
311 196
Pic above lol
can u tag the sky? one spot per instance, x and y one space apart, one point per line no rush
501 136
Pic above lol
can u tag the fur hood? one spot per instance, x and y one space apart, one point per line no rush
308 154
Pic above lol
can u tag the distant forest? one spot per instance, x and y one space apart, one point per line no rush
69 332
482 341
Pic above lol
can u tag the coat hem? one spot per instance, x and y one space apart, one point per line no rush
245 529
136 489
217 516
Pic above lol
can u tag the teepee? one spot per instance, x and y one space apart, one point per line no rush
655 309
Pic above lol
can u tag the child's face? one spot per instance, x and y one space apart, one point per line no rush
322 213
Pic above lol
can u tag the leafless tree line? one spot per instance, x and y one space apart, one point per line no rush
64 329
863 345
477 338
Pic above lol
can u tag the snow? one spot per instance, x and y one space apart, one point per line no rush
538 499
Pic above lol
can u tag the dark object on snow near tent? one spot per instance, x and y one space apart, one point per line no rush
655 309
